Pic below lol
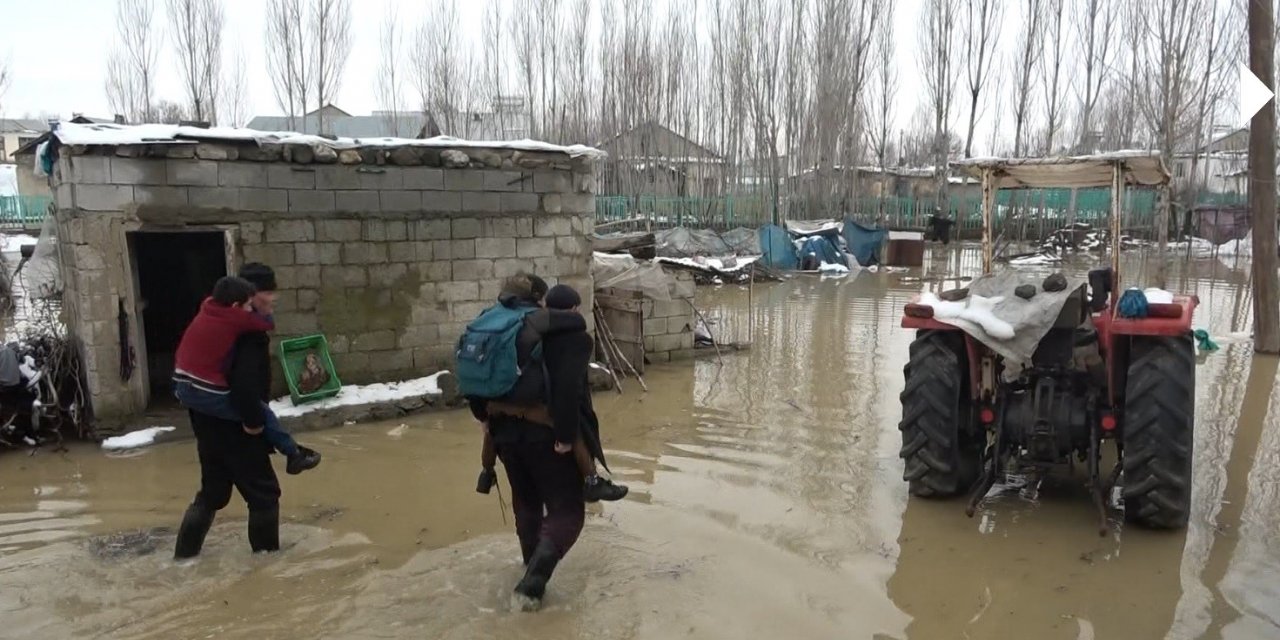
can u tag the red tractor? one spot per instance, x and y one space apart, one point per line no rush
969 416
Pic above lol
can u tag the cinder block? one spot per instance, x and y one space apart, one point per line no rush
162 196
481 202
89 169
281 255
495 247
374 230
461 250
192 173
508 267
403 252
387 273
551 227
457 291
423 178
394 361
374 341
655 326
103 197
295 276
240 174
379 178
308 299
551 203
401 200
524 227
397 230
337 176
311 201
290 231
572 245
351 364
357 201
503 227
464 312
418 336
535 247
426 250
584 183
463 180
464 228
442 201
432 229
264 200
214 197
520 203
503 180
138 171
580 203
364 253
472 269
442 250
552 182
285 176
438 271
338 230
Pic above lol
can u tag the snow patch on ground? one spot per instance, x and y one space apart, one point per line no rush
831 267
352 395
1242 248
134 439
13 243
1038 259
727 264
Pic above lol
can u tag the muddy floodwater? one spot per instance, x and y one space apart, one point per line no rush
767 502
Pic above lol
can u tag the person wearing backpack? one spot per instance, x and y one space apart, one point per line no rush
522 371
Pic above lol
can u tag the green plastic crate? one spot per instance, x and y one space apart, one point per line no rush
293 355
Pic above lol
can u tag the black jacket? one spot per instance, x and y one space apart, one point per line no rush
250 377
567 354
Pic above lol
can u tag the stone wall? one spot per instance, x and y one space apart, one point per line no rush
386 255
668 324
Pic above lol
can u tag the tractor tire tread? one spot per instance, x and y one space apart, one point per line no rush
930 422
1159 413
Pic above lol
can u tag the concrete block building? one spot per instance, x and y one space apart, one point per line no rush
386 247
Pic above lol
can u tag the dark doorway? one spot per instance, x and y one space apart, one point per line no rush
175 272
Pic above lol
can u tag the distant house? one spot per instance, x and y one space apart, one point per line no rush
505 120
1219 164
651 159
17 132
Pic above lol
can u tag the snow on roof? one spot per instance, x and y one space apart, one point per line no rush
1140 167
125 134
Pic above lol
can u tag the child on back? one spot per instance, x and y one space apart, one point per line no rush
204 353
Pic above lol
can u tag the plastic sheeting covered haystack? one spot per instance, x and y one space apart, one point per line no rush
682 242
864 242
776 247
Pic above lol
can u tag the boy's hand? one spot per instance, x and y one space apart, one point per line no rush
253 431
563 448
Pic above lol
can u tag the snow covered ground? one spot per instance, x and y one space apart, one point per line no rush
12 242
134 439
352 395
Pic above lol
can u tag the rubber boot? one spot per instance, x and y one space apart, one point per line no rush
264 529
191 533
533 585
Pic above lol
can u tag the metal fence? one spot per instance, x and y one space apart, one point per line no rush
23 212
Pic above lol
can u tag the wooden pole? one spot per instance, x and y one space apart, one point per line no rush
1117 183
1262 183
988 199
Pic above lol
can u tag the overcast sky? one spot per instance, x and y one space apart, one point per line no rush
57 52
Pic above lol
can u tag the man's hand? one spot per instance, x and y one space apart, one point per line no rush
563 448
253 431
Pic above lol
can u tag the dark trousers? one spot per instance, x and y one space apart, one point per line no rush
546 489
229 457
219 406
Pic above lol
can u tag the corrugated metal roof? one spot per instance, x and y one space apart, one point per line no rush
21 125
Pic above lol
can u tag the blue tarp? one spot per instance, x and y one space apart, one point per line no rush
864 242
823 247
776 247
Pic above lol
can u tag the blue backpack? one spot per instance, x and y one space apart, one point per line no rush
490 363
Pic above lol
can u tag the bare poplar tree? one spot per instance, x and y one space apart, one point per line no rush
1096 26
330 39
6 79
523 34
131 66
495 62
235 93
881 106
196 30
1051 70
1025 60
287 57
938 66
981 33
388 81
444 78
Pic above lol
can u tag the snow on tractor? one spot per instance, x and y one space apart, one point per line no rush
1000 383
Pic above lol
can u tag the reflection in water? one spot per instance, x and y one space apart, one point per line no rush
767 501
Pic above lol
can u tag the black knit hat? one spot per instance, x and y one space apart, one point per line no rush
260 275
562 296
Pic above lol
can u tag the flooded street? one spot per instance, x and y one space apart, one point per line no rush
766 501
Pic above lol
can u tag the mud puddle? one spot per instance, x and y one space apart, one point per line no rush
767 502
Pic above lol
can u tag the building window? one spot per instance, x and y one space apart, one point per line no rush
1180 170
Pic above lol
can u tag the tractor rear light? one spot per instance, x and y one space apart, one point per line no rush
914 310
1108 422
1164 310
987 415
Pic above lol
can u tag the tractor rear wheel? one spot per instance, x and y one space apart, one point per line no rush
942 456
1159 410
